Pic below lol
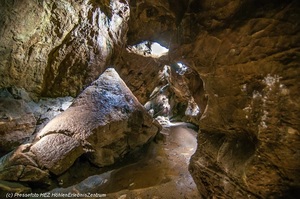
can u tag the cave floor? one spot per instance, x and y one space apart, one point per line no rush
161 173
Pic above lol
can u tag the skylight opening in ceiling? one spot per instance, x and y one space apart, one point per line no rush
149 49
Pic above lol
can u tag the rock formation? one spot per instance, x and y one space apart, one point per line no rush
247 54
105 122
243 68
58 48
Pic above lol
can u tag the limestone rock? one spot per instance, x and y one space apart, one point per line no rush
21 165
56 152
105 122
106 119
58 48
245 52
157 20
141 82
17 123
249 140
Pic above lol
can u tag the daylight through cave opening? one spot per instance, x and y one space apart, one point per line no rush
246 52
149 48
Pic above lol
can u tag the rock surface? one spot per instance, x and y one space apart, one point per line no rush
58 48
56 152
106 119
105 122
17 123
248 58
245 52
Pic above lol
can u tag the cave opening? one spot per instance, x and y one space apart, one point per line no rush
149 48
99 79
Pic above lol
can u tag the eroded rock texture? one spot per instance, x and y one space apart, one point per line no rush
57 48
245 52
105 122
248 56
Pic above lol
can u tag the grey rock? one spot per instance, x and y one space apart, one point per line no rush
105 122
17 123
106 119
56 152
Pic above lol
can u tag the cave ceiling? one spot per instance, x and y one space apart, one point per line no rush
243 72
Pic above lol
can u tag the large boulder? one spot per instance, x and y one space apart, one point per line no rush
105 122
106 118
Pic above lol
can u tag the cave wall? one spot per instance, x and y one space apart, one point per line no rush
246 53
56 48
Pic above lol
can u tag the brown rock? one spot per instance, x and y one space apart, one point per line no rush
250 72
157 20
57 48
141 82
246 53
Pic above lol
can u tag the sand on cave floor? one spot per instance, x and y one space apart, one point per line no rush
162 173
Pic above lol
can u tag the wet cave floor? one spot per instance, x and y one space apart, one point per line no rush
161 172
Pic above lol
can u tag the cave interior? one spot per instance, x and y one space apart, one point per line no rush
150 99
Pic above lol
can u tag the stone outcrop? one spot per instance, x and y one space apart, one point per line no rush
105 122
159 24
